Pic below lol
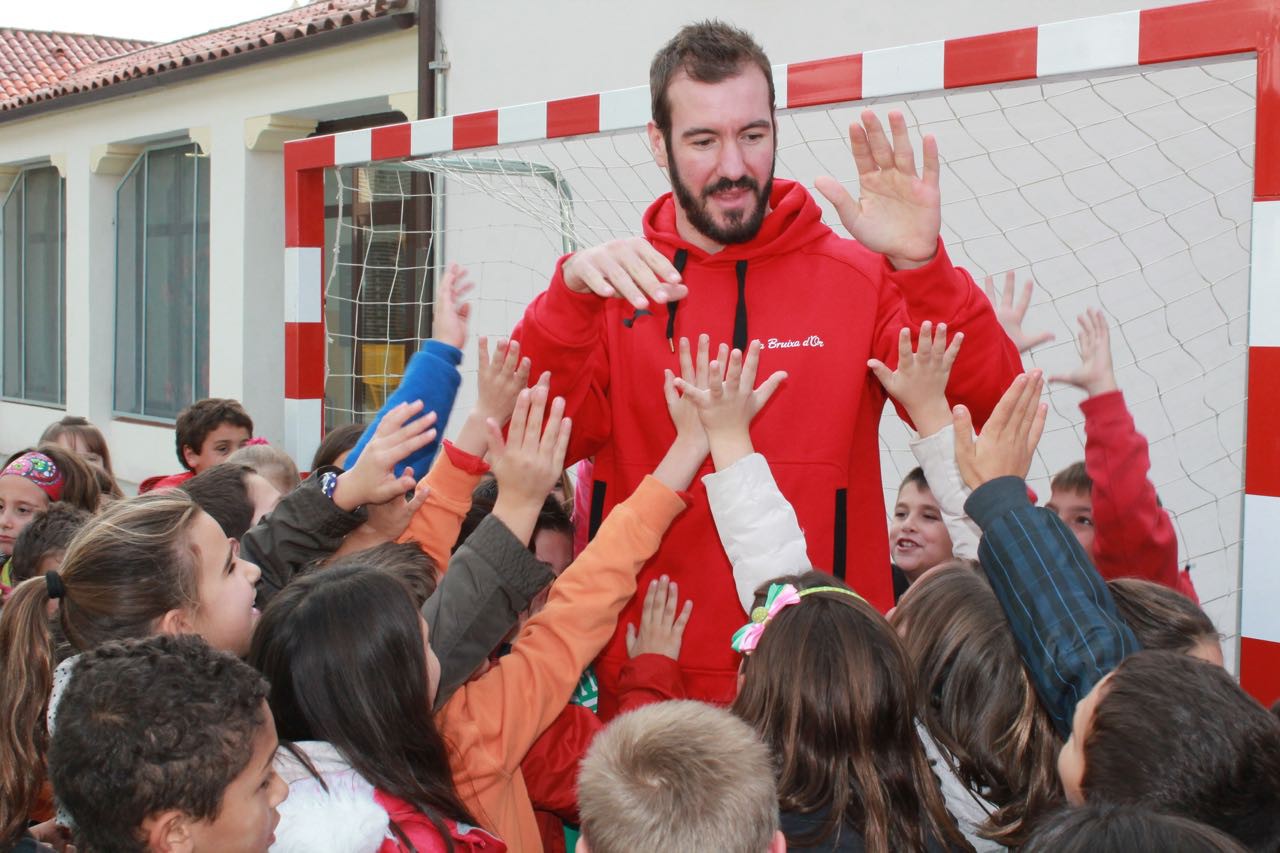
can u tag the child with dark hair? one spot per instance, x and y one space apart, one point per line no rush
404 560
990 741
335 446
1107 500
166 744
41 546
1157 728
35 479
1126 829
80 436
205 434
1165 619
235 495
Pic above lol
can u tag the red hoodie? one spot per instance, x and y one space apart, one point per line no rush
821 305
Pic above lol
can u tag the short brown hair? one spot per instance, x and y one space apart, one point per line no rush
270 463
708 51
202 417
678 776
1162 618
1073 478
1178 735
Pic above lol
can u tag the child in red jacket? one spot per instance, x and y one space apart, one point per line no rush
1107 501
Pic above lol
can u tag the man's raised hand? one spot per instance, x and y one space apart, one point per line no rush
1094 375
920 382
1011 314
899 213
629 269
1009 439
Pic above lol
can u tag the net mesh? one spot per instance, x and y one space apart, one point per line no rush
1128 191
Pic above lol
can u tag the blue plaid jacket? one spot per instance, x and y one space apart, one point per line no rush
1062 615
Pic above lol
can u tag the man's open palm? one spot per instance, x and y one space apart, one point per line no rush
899 213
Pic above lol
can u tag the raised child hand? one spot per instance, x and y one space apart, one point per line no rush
1094 375
373 479
661 628
500 379
1010 436
1010 314
730 401
451 315
920 382
529 462
899 213
695 373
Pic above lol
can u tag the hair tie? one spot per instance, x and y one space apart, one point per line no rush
38 469
780 597
53 582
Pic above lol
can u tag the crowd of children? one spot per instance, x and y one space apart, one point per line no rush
384 656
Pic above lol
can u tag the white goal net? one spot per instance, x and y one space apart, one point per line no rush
1128 191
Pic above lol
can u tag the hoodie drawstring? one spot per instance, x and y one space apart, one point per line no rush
740 313
680 259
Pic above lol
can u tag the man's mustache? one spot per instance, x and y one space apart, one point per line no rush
746 182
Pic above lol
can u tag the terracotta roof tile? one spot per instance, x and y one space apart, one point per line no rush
144 59
31 60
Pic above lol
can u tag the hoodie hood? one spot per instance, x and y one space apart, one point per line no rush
794 220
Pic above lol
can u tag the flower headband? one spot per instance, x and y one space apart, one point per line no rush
40 470
780 597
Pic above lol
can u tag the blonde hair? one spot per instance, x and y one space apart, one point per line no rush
124 570
272 463
678 776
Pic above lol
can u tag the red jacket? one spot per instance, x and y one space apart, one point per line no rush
160 482
821 305
550 767
1132 534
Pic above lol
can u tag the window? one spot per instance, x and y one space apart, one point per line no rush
33 246
162 283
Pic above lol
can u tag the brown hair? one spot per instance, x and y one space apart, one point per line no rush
202 417
78 427
828 689
677 776
270 462
1178 735
916 476
1073 478
1162 618
404 560
336 442
79 484
1107 828
975 697
123 571
709 52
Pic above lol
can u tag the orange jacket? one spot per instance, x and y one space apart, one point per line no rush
491 722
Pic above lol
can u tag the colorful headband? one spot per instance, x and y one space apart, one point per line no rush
780 597
40 470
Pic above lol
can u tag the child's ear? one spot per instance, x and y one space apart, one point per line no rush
191 455
581 846
175 622
168 832
779 843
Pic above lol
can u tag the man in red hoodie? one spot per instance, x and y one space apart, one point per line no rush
737 255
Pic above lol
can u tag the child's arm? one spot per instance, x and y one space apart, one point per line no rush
1133 536
757 525
458 469
919 385
310 522
1061 614
432 373
511 705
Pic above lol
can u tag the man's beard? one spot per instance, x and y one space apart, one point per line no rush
739 227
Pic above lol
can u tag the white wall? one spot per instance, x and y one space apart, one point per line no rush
246 227
505 53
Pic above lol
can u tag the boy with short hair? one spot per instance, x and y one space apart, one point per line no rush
678 776
1107 500
165 744
205 434
42 543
